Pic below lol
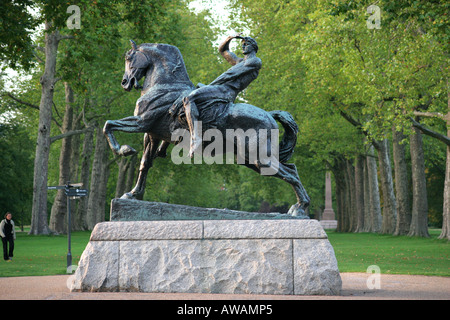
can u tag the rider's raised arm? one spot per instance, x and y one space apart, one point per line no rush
250 66
224 49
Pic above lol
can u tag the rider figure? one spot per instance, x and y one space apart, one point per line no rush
226 87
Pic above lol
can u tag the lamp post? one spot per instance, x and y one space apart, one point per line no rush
69 232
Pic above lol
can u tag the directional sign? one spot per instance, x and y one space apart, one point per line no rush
76 192
67 186
56 187
76 185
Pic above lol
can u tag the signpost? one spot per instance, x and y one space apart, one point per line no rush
72 192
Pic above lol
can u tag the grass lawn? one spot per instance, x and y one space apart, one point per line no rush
46 255
392 254
43 255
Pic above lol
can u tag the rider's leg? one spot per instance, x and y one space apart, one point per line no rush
199 95
192 114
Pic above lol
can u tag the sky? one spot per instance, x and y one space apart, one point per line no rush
220 13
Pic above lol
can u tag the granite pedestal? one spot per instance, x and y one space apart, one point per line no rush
253 256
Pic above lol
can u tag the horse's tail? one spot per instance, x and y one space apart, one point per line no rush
290 134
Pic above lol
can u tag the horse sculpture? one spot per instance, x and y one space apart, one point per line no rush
167 84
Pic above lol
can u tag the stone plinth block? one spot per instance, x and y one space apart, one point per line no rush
136 210
209 256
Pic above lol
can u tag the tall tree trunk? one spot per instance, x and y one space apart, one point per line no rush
99 178
367 201
74 168
339 192
88 147
129 183
59 208
387 186
39 223
419 218
445 233
375 209
359 192
123 167
338 211
125 178
446 139
75 154
352 217
342 194
401 185
340 199
345 222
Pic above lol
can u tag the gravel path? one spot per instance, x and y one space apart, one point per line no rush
354 287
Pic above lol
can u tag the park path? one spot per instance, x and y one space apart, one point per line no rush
354 287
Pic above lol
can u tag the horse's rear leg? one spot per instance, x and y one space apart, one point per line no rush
288 173
129 124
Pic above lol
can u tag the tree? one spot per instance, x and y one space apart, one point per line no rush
59 207
374 212
16 49
401 184
39 224
17 168
99 180
378 78
419 222
446 139
359 192
87 58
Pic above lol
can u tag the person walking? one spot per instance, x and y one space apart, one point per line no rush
8 235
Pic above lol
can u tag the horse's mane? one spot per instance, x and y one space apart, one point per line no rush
162 46
166 48
171 53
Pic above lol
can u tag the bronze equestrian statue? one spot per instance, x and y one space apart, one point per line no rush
169 101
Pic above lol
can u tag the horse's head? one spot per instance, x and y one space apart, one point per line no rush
136 64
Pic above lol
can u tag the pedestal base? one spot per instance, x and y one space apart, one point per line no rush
209 256
329 224
328 214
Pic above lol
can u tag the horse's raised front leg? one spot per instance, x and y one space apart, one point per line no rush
129 124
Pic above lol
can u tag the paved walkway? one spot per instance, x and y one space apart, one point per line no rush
354 287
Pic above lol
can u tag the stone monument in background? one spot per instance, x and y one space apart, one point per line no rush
328 220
